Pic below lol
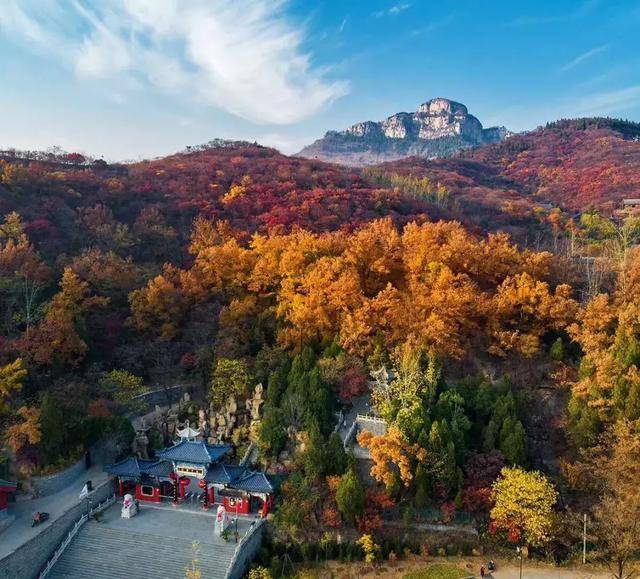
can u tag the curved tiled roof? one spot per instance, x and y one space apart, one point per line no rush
224 473
195 452
239 477
8 484
253 482
135 467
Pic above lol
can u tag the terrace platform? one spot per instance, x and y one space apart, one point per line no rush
158 542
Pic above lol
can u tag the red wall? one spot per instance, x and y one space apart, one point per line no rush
154 498
3 500
242 505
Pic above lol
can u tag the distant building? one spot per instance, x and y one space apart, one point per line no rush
6 487
631 203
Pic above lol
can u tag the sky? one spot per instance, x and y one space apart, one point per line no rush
132 79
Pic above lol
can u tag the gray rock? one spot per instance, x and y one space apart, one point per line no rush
439 128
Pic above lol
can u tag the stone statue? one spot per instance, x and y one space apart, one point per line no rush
140 444
129 507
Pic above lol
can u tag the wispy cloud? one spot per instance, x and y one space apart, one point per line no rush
433 26
519 117
604 103
242 56
393 10
589 54
343 24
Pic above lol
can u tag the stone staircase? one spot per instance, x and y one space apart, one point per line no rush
102 552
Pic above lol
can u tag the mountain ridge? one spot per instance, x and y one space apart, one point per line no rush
438 128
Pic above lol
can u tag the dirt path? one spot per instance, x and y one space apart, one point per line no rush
509 572
337 570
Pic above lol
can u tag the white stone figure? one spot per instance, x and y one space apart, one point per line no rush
222 520
129 507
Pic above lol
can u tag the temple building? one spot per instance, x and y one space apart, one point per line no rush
6 487
193 470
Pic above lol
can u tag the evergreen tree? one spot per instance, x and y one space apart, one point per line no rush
337 459
441 460
585 424
422 498
557 350
490 436
632 407
350 496
313 460
513 441
273 432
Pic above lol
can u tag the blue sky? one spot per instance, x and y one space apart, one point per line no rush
126 79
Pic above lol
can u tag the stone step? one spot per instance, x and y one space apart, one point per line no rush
101 552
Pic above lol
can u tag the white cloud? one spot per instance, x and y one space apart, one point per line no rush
397 8
243 56
589 54
287 144
393 10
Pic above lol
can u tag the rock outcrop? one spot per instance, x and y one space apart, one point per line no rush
439 128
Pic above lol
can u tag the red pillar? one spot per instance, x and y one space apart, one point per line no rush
183 483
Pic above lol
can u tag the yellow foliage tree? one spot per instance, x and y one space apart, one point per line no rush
523 309
11 378
369 547
523 506
391 454
18 435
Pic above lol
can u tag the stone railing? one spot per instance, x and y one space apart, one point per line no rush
371 418
31 557
351 433
74 531
246 550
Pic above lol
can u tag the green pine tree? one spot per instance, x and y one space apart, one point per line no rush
350 496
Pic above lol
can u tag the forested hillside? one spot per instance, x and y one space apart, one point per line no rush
574 165
230 264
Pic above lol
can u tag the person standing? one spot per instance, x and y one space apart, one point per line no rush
482 571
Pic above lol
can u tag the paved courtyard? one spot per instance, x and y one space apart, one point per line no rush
172 522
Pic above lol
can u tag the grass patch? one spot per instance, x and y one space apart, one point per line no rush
438 572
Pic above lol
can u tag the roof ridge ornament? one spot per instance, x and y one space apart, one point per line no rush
188 433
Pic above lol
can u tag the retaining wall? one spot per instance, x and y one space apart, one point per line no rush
43 486
246 551
28 559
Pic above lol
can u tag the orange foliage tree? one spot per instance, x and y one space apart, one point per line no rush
58 336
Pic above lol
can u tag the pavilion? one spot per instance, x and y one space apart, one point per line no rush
171 474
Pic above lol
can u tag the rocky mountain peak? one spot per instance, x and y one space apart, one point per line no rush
438 128
442 106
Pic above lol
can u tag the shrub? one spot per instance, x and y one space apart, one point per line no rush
557 350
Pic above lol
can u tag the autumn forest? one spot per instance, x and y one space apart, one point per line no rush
499 290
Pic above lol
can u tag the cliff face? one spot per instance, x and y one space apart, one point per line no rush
439 128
